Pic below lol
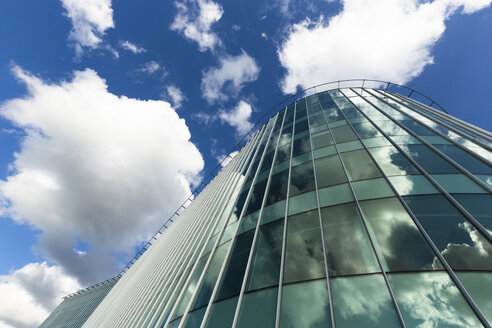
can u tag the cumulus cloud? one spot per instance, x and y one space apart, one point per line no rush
379 39
233 72
90 20
224 159
238 117
35 290
94 168
194 21
176 95
127 45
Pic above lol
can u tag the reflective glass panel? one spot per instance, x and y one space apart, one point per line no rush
480 206
359 165
305 305
301 146
301 179
278 187
222 313
431 299
463 247
343 134
479 286
362 301
366 130
348 249
465 159
304 252
412 185
397 237
392 162
429 160
329 171
457 183
335 195
374 188
259 309
233 275
265 266
322 139
303 202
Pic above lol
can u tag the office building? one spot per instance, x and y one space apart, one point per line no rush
351 207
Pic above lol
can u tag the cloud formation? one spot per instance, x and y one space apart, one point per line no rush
132 47
379 39
150 67
90 20
238 117
35 290
194 21
94 169
176 95
218 83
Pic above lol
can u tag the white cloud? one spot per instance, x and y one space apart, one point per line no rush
96 168
238 117
232 73
176 95
31 293
90 20
127 45
264 35
194 20
379 39
150 67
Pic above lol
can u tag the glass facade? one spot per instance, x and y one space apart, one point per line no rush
352 207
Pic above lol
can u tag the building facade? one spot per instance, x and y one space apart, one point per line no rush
352 207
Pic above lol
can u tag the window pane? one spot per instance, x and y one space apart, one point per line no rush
429 160
259 309
273 212
222 313
463 247
374 188
366 130
359 165
322 152
256 197
343 134
458 183
234 273
322 139
304 252
265 266
362 302
348 146
479 286
203 296
194 318
413 185
329 171
348 250
303 202
278 187
431 299
397 237
301 179
305 305
417 128
480 206
466 160
301 146
392 162
335 195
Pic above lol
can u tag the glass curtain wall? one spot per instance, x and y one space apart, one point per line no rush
352 207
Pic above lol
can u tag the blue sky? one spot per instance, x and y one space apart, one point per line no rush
111 111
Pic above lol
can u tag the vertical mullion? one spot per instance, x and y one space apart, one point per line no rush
386 280
330 298
417 223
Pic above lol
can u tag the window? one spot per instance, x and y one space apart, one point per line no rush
348 249
329 171
359 165
304 251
